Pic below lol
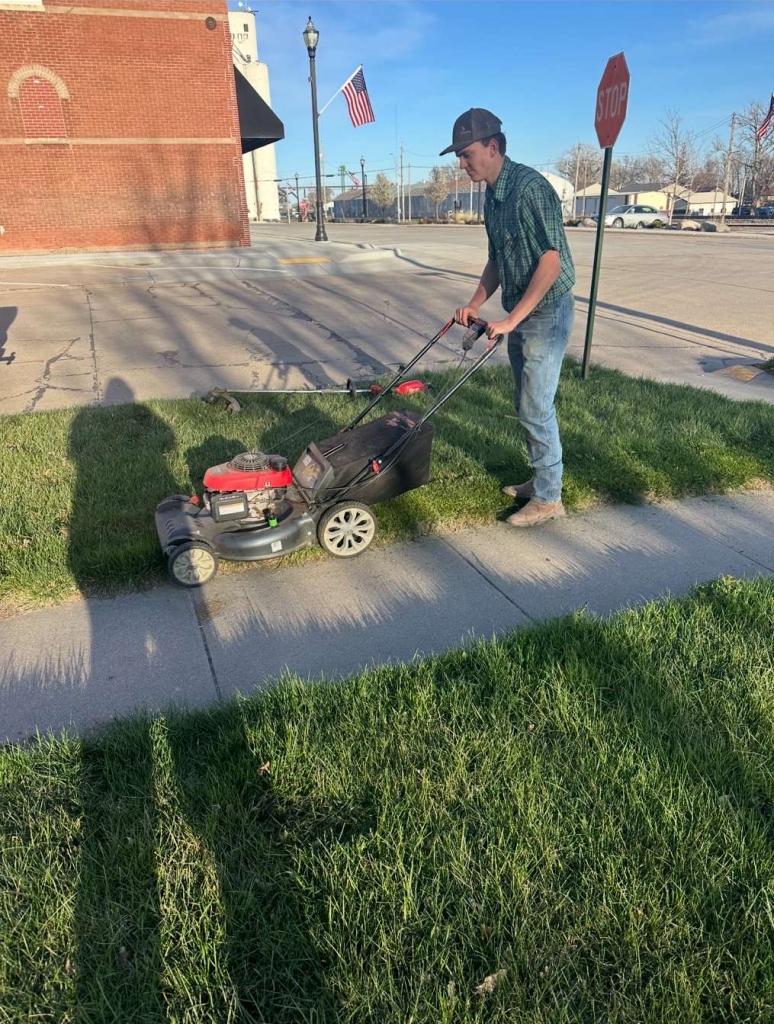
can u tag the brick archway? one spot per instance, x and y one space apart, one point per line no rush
39 93
36 71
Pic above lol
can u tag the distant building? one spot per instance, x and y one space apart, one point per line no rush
648 194
587 200
260 164
712 203
464 198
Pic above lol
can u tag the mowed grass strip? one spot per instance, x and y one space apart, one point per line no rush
79 487
581 813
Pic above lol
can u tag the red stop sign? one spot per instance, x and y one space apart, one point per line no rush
612 98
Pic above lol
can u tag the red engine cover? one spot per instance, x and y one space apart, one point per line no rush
224 478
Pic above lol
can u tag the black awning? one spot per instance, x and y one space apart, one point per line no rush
259 125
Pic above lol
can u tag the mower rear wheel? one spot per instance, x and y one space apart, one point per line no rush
347 529
192 564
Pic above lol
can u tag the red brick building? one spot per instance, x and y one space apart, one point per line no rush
119 126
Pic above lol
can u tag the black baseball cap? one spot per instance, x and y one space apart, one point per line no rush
472 126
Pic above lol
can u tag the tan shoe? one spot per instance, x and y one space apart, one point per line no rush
535 512
525 490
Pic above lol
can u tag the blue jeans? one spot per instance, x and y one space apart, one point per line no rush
536 349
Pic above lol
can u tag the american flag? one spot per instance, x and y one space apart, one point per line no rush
356 95
767 120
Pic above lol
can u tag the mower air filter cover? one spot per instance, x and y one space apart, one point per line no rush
250 471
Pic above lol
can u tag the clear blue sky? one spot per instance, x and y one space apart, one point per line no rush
536 65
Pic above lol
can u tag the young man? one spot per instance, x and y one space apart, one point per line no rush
529 259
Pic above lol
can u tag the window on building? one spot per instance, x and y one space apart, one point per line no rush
41 109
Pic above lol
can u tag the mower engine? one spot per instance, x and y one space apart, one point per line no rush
251 488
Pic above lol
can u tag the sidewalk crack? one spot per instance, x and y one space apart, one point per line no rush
208 653
490 581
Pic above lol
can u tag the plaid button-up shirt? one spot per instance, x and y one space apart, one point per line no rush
523 220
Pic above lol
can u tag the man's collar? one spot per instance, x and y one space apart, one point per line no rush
501 187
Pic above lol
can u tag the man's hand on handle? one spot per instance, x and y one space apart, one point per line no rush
468 315
495 327
465 314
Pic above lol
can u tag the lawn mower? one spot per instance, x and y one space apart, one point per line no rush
256 507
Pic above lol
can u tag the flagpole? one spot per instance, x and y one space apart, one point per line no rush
333 97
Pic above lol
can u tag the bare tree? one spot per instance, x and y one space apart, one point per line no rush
640 170
437 187
757 154
382 192
673 143
582 165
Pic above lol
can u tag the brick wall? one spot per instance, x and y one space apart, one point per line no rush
119 127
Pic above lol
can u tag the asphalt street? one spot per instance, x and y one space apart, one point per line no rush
694 308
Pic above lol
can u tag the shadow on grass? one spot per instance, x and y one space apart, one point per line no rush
121 459
117 915
191 903
248 836
624 440
586 804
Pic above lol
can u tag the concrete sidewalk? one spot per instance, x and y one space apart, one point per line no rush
82 663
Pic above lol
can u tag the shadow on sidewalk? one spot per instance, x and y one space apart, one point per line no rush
7 317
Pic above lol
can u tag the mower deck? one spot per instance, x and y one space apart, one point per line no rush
179 521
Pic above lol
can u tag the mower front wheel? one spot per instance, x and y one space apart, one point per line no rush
347 529
192 564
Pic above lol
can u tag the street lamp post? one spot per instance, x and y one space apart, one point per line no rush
362 182
311 35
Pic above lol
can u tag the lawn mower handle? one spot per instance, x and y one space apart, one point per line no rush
402 371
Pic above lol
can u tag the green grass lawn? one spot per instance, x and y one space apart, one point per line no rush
79 486
583 810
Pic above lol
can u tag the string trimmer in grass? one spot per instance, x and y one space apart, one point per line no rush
408 387
256 507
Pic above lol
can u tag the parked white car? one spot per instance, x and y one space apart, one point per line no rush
634 217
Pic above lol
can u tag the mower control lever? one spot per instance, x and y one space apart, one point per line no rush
476 328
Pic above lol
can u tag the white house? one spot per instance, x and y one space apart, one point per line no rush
563 189
701 204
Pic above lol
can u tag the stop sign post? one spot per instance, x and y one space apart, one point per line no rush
612 100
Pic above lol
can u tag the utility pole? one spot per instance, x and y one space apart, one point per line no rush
363 186
395 166
298 198
575 186
409 193
478 204
343 175
402 211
